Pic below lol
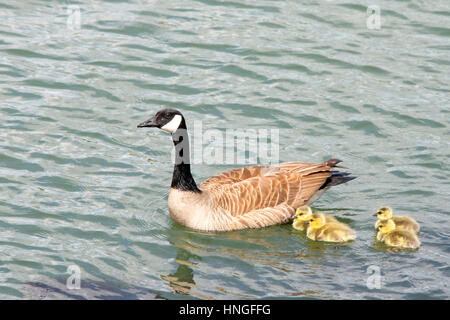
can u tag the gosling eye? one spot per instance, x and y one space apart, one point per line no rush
301 213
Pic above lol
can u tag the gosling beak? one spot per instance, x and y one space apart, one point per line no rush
148 123
378 229
375 215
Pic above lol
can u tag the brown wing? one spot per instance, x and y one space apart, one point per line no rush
231 176
241 174
244 190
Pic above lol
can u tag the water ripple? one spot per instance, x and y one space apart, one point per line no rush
81 185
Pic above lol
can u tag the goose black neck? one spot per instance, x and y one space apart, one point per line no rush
182 178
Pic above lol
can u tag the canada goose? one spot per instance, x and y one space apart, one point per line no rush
250 197
321 230
391 236
401 222
304 214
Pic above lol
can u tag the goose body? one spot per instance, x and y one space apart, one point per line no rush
304 214
401 222
321 230
389 234
249 197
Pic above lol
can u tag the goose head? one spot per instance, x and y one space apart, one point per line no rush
172 121
304 213
317 222
384 213
386 226
169 120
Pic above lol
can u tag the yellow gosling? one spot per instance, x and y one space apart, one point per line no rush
402 222
304 214
391 236
321 230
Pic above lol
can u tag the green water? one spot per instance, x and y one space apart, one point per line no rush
81 185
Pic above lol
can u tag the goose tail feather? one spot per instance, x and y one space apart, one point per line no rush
337 178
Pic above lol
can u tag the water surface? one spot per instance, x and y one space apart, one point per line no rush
81 185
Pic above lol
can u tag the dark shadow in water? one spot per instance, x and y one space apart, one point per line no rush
56 289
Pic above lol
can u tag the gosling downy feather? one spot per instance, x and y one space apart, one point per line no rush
401 222
320 230
304 214
249 197
391 236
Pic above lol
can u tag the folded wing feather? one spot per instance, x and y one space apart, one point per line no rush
267 194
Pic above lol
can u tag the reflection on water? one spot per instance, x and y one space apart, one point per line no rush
182 280
300 263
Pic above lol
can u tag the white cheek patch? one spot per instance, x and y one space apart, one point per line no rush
173 124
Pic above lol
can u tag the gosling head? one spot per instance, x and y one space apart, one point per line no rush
169 120
384 213
317 222
304 213
386 226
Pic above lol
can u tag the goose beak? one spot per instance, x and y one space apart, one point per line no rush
375 215
148 123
